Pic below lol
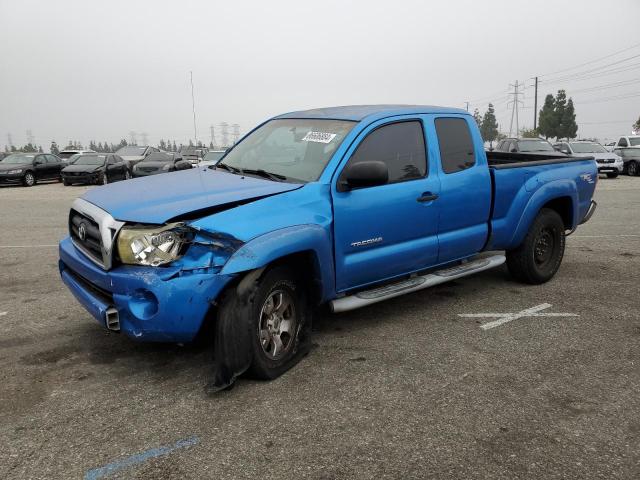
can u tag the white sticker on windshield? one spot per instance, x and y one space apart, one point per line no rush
320 137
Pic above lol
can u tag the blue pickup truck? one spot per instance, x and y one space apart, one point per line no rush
344 206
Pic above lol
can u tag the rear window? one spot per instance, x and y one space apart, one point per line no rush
456 146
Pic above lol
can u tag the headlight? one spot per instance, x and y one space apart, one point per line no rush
152 246
10 172
166 167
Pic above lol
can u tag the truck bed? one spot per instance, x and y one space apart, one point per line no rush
501 160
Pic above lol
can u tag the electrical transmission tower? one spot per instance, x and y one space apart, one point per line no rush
213 135
9 140
236 132
514 110
30 137
224 129
133 138
145 138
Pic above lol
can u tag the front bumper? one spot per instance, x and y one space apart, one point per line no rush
89 178
163 304
11 179
611 167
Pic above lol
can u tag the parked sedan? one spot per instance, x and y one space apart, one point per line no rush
69 155
160 162
96 168
133 154
29 168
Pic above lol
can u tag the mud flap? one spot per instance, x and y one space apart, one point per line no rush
233 334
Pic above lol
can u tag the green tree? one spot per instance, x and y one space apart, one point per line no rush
560 107
477 117
568 125
529 133
636 126
547 125
54 148
489 126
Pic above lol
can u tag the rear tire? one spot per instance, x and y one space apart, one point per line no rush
612 175
632 169
65 182
539 256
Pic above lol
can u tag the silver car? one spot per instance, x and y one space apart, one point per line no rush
608 162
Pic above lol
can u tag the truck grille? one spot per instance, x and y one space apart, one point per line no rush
85 232
607 160
93 232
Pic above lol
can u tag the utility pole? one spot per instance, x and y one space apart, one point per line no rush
193 106
514 109
535 106
467 103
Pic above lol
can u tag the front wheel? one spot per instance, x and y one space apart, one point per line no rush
612 175
263 327
105 179
29 179
539 256
127 175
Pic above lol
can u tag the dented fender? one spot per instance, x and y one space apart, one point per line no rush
271 246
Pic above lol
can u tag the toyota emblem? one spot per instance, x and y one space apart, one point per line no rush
82 232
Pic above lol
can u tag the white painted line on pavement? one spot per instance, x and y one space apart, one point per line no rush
604 236
28 246
503 318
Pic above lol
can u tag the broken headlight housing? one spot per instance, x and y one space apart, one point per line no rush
153 246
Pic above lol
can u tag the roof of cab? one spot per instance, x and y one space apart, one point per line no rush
360 112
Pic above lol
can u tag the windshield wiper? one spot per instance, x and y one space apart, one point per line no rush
229 168
263 173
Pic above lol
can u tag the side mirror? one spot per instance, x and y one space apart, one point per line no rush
365 174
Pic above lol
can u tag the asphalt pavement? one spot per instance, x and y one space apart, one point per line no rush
414 387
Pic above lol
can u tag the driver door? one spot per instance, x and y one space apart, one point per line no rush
387 230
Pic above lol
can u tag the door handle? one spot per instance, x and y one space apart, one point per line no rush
427 197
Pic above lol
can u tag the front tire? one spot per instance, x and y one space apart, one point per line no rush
127 175
66 182
612 175
105 179
29 179
539 256
263 327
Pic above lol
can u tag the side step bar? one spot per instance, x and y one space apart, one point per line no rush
367 297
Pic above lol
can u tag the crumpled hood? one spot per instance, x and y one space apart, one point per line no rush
158 198
81 168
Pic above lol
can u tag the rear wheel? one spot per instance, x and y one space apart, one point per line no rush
29 179
632 169
539 256
65 182
612 174
127 174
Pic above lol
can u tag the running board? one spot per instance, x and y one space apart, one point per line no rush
367 297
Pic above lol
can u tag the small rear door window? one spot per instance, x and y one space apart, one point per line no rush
457 152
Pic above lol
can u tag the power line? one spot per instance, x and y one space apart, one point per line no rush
592 70
607 99
591 61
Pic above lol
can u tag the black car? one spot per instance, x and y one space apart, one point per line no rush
527 145
96 168
29 168
160 162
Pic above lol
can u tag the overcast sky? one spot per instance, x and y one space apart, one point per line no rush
99 70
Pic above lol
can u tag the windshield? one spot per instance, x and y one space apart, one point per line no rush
90 160
131 151
158 157
213 156
18 158
535 146
634 141
587 148
297 149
